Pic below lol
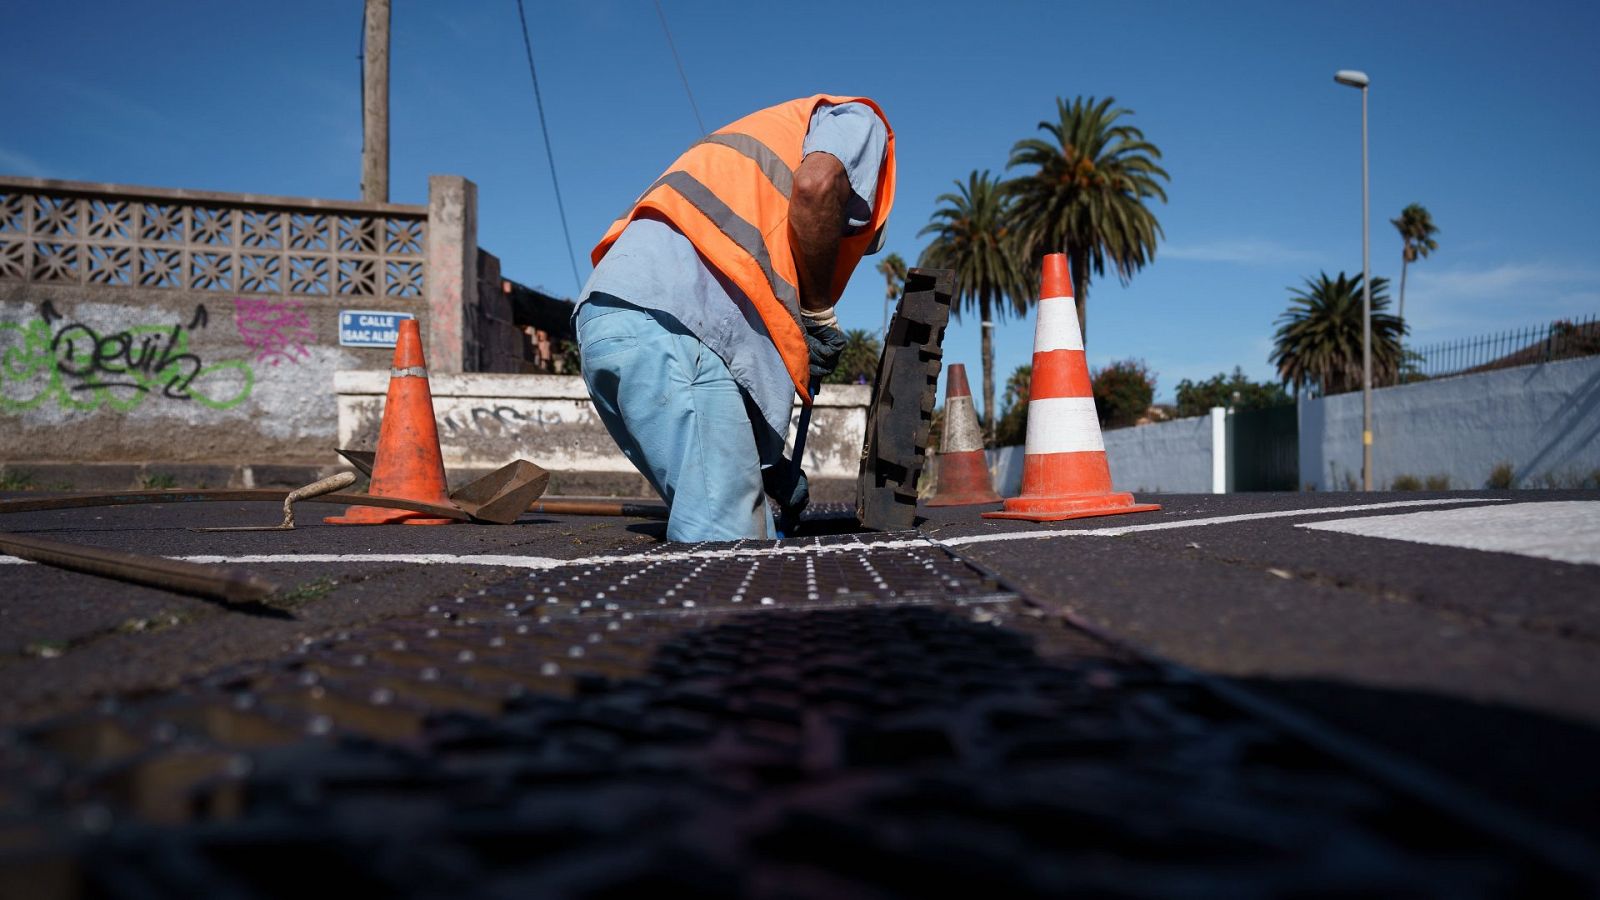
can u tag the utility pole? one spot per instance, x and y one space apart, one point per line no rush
375 105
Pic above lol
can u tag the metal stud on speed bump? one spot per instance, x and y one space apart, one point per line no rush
1065 474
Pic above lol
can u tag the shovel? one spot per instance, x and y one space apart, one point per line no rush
498 497
503 494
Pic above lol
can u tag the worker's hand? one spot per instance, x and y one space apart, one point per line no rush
824 341
788 487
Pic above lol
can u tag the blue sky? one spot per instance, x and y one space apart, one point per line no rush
1486 113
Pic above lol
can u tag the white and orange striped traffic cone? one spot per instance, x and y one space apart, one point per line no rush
963 471
1064 470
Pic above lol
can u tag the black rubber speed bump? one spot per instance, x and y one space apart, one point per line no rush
903 396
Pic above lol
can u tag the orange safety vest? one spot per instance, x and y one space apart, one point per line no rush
729 195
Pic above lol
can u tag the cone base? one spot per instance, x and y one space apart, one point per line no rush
1080 506
963 479
377 515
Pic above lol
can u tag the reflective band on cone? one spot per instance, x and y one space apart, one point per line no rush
963 471
1065 474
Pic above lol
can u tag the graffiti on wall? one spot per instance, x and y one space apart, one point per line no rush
79 368
277 331
498 419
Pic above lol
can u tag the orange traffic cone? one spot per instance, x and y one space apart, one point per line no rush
963 470
1064 470
408 464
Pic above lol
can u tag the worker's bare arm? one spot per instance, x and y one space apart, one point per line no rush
816 221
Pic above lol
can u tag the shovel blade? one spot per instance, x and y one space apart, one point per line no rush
363 460
504 494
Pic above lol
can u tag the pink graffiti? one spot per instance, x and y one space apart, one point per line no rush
275 330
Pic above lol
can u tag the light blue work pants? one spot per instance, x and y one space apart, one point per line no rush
673 407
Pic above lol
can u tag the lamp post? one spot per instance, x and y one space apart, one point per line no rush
1355 79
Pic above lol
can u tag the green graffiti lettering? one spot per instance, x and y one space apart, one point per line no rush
79 369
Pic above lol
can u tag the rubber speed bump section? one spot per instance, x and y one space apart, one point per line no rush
902 402
1065 474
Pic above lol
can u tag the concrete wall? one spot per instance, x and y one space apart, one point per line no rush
118 375
1543 419
146 327
487 420
1167 457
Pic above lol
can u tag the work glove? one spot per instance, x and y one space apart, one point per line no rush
788 487
824 341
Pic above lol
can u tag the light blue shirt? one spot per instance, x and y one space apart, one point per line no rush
653 266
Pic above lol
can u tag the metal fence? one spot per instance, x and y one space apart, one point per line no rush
1561 339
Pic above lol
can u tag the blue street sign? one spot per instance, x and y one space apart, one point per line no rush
367 328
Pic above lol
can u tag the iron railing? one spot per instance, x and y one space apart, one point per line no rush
1561 339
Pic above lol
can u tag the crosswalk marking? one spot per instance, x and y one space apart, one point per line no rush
1563 530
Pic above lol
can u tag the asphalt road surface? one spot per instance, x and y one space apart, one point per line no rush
1448 640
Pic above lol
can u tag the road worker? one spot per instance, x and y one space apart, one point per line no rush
711 304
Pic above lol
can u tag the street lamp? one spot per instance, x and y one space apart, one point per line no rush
1352 78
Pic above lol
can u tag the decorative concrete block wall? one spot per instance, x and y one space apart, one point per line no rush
141 325
145 327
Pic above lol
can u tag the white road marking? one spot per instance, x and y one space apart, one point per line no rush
1117 531
436 559
542 563
1566 531
538 563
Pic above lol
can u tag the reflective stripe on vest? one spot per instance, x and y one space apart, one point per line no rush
746 235
729 194
776 170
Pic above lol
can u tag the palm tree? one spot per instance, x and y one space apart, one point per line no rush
1012 429
1416 233
1318 342
1086 195
973 235
893 270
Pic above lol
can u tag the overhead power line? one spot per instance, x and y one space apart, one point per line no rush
527 42
674 48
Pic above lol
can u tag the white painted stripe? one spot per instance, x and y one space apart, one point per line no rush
540 563
961 432
537 563
1063 425
426 559
1058 326
1566 531
1193 523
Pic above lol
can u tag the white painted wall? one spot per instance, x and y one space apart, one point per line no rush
1543 419
1166 457
487 420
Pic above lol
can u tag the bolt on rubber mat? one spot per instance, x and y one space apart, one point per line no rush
844 716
